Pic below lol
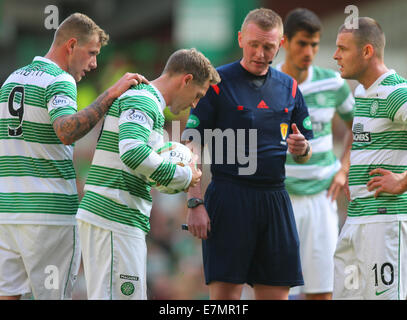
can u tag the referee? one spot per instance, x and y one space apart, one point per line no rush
253 238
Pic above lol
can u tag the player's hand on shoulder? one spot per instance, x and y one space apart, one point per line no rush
125 82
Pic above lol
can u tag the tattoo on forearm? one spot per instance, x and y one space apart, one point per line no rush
73 127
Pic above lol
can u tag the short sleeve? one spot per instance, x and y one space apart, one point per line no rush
301 117
60 96
397 105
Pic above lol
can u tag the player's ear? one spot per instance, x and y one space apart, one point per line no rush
284 42
70 45
239 39
187 79
368 51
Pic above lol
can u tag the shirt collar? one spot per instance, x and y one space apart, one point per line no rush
375 84
161 98
46 60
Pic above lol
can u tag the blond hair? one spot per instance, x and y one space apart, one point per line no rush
80 27
193 62
264 18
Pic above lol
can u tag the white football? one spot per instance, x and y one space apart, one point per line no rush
176 153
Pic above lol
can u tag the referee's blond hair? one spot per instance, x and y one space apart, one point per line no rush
264 18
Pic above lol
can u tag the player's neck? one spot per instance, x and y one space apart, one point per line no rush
372 73
297 74
164 86
55 57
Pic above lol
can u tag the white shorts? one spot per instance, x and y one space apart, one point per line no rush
114 264
371 261
316 218
38 259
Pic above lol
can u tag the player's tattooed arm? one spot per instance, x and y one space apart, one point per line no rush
70 128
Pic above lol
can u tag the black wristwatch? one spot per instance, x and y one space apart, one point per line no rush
194 202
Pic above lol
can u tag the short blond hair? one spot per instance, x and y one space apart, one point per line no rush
80 27
193 62
264 18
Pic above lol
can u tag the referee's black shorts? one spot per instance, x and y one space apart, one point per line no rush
253 236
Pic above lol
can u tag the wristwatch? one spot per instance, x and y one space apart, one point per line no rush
194 202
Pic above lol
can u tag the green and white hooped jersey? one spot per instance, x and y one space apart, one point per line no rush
37 177
325 93
117 191
379 140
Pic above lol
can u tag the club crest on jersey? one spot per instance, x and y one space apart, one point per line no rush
321 99
373 108
359 135
284 132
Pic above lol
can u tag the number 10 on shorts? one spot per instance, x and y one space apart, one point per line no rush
385 274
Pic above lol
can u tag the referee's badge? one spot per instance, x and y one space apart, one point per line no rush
283 131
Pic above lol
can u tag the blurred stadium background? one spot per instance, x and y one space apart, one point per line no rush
143 33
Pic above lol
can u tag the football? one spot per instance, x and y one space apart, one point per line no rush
176 153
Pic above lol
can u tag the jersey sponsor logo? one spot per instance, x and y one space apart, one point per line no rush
307 124
284 132
136 116
61 101
193 121
359 135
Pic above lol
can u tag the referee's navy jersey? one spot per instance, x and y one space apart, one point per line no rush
237 102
